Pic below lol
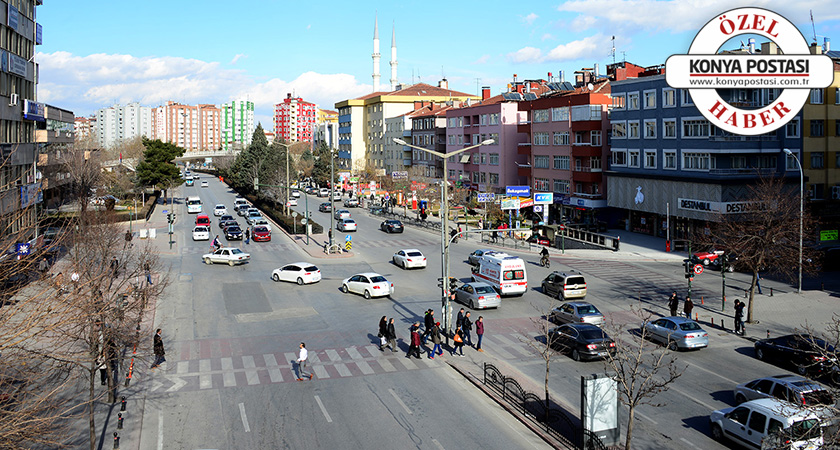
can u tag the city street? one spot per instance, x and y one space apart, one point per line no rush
232 335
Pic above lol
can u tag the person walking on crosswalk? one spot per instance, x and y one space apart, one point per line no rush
429 323
436 340
392 335
302 358
383 333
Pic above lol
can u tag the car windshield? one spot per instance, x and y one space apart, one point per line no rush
689 326
378 279
593 335
260 230
415 254
236 251
349 221
484 290
575 280
587 309
233 229
310 269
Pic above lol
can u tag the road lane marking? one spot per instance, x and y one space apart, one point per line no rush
244 418
333 355
270 360
386 365
688 442
646 418
733 382
397 398
409 364
354 354
364 367
323 410
251 375
204 365
700 402
183 367
437 444
321 372
373 350
343 370
290 357
160 431
205 381
314 358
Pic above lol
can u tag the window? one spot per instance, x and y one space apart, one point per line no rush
618 101
669 98
618 158
561 186
669 128
790 162
634 158
633 100
494 119
633 129
595 163
560 114
757 421
579 137
669 160
817 160
475 177
494 159
792 128
695 128
494 179
483 178
595 138
686 98
561 138
540 115
767 162
541 162
650 99
650 159
561 163
817 128
739 162
484 158
451 173
484 119
817 96
541 184
541 138
696 161
619 130
650 129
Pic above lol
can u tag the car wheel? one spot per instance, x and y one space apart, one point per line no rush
403 266
575 355
801 369
706 262
739 398
367 294
717 432
275 277
230 263
207 261
759 353
472 304
672 345
300 281
344 288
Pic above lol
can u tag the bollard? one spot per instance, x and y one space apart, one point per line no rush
119 421
822 285
722 326
745 293
696 317
713 321
768 334
122 404
771 292
116 441
701 299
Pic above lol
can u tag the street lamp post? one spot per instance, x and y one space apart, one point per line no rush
444 240
801 211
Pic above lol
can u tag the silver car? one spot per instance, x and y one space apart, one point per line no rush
476 255
576 312
478 295
788 387
677 333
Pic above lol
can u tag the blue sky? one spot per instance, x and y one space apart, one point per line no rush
100 52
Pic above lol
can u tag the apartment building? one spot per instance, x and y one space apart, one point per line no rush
121 123
55 138
427 129
84 128
237 124
294 119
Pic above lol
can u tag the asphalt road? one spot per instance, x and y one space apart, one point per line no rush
231 333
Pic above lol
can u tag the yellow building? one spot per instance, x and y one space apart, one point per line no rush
820 142
326 116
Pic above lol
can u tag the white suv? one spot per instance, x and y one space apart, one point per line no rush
768 423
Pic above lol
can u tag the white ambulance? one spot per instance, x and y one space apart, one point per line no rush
504 272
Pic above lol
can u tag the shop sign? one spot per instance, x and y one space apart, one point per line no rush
828 235
718 207
509 203
543 198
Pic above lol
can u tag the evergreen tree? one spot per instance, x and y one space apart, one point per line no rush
158 168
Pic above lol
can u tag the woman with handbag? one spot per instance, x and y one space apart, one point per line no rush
458 339
383 329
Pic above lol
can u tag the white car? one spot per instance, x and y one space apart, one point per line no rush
229 255
368 284
253 217
219 210
336 196
204 184
201 233
296 194
342 214
409 259
299 272
262 222
291 202
346 225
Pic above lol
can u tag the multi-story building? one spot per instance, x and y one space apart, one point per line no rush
667 159
85 128
237 119
193 128
294 119
362 140
118 123
326 116
428 130
55 138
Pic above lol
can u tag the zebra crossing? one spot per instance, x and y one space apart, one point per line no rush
390 243
633 279
255 247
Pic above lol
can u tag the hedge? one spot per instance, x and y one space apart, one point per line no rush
284 221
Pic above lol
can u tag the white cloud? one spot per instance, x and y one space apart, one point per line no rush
547 36
525 55
85 83
237 58
484 59
529 19
582 23
564 52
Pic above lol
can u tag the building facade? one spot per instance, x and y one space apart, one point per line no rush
55 138
427 129
193 128
237 124
85 128
294 119
118 123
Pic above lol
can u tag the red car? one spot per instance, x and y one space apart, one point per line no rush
539 240
261 234
708 256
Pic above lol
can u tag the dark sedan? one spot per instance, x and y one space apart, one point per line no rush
233 233
228 223
224 218
391 226
325 207
582 341
807 354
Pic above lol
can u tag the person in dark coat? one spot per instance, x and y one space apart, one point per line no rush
429 323
460 318
436 341
159 351
466 327
674 303
687 307
391 335
414 349
383 332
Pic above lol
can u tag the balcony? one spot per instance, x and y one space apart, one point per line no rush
587 169
589 196
523 127
523 148
523 170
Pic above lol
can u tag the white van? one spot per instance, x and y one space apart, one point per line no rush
193 205
768 423
504 272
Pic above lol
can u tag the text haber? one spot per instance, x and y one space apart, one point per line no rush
748 120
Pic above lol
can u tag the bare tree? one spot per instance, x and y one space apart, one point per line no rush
642 369
85 172
766 237
546 343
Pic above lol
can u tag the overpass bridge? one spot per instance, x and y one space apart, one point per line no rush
201 154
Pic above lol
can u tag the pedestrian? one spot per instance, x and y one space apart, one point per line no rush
43 266
115 266
383 332
466 327
392 335
674 303
739 317
247 235
128 237
415 340
428 323
458 339
436 340
329 235
687 307
494 236
479 331
758 281
148 269
302 357
460 318
160 354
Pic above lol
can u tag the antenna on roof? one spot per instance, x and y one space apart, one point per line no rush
814 29
613 49
623 56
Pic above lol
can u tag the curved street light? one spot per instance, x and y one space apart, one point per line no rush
801 211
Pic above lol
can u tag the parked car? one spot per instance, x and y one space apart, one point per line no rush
299 272
295 193
539 240
478 295
292 202
342 214
227 255
677 333
564 285
768 423
346 225
807 354
368 284
409 259
391 226
233 233
577 312
476 255
352 202
787 387
582 341
261 233
325 207
225 218
201 233
220 210
708 256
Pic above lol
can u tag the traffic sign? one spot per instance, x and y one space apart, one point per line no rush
348 238
538 208
519 191
165 211
23 248
698 269
303 221
485 197
543 198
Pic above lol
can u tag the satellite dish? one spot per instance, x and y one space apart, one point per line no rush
590 86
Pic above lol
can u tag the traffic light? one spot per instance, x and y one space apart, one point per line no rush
453 283
440 283
689 269
256 183
169 217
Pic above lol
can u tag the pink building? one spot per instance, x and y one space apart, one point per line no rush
193 128
294 119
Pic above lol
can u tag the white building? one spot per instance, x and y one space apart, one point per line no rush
117 124
237 124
